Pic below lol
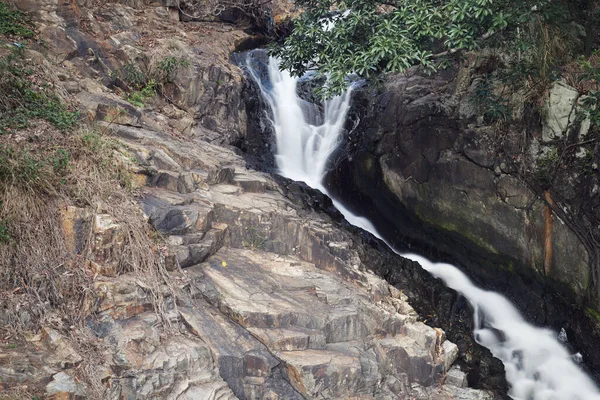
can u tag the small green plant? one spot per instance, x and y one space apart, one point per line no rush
94 141
61 161
591 101
142 82
545 167
255 240
15 23
169 65
20 102
5 236
139 97
494 107
131 75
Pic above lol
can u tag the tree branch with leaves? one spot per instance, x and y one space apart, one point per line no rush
367 37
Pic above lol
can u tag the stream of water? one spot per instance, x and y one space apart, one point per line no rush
538 366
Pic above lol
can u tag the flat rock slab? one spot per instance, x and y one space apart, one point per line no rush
319 327
321 373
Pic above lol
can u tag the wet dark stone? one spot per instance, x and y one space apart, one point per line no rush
304 196
251 43
259 144
357 179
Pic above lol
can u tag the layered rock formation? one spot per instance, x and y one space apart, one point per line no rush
272 301
278 300
264 298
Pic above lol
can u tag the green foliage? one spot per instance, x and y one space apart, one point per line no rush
591 102
369 37
537 51
94 142
169 65
21 101
61 160
145 80
255 239
131 74
489 103
15 23
139 97
546 168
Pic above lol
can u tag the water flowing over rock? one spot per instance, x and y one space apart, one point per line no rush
532 356
264 296
432 180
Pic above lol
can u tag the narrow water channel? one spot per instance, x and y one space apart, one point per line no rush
538 366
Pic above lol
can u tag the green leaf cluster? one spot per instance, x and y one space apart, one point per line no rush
139 97
493 106
144 79
368 37
15 23
21 102
591 101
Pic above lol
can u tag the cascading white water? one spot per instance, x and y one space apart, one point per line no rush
303 146
538 367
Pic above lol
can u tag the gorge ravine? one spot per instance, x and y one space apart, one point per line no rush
537 365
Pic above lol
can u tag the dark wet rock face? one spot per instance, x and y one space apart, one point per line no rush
414 163
431 184
259 145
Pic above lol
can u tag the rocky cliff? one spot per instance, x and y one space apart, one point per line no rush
256 293
434 176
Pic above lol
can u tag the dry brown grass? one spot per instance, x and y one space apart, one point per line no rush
574 74
83 170
41 281
37 274
18 394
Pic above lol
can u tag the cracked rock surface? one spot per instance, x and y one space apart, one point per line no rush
263 298
269 304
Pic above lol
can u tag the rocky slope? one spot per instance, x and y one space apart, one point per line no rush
264 298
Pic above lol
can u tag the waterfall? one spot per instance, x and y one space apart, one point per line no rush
538 366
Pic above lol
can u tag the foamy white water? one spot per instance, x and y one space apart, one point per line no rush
303 144
538 366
